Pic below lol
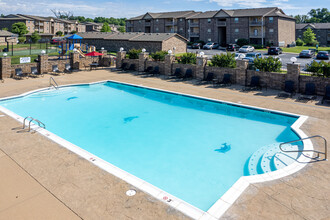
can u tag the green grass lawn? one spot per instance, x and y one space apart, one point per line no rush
16 60
298 49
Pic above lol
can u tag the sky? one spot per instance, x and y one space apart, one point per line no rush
131 8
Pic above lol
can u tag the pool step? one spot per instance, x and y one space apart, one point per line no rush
283 159
270 158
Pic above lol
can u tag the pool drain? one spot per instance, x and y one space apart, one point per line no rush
130 192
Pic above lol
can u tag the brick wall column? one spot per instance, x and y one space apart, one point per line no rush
142 61
43 63
75 61
241 72
5 67
169 60
120 57
293 74
200 67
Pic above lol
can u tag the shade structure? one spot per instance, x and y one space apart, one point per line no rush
93 54
75 37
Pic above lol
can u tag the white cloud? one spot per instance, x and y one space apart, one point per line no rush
254 3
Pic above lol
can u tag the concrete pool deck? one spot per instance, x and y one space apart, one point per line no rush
46 181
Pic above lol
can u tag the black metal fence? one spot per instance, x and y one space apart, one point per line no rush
29 49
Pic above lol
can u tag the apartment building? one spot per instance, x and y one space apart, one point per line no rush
45 25
321 30
92 26
258 25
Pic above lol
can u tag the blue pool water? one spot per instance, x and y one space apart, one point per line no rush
192 148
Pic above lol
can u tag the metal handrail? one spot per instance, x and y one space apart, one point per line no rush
40 124
318 152
52 81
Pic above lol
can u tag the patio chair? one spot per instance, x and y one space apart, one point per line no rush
177 74
155 71
55 70
254 84
124 66
226 81
188 75
288 89
209 78
132 67
310 92
149 69
326 96
67 68
35 72
19 73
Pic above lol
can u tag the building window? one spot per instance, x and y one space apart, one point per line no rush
236 30
236 20
209 30
271 30
139 30
180 19
181 29
157 20
28 28
209 40
236 40
28 21
157 29
209 20
139 21
271 19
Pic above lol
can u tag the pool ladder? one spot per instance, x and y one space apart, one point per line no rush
325 153
53 83
40 124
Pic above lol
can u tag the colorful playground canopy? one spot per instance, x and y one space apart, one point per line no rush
93 54
75 37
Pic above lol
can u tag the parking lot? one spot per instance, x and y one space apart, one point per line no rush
285 57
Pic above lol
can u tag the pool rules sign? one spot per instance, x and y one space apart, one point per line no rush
25 60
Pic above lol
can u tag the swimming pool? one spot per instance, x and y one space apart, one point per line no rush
191 148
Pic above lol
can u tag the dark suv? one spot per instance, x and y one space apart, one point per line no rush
232 47
196 46
274 51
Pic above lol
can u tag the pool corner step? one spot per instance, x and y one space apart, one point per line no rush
283 159
254 161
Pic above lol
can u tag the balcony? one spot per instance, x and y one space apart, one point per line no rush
170 23
257 35
194 24
194 34
221 23
255 23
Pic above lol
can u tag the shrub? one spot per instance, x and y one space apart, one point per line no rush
159 55
187 58
134 53
59 33
299 42
257 46
319 68
190 43
224 60
21 39
35 37
314 43
242 41
268 64
309 36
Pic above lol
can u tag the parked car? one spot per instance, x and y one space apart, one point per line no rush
232 47
196 46
239 56
306 54
57 40
252 56
322 55
210 46
246 49
274 51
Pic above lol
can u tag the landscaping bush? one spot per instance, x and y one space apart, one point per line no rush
257 46
224 60
319 68
187 58
242 41
35 37
21 40
159 55
268 64
299 42
134 53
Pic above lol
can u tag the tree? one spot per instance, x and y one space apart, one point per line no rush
319 15
301 19
59 33
2 15
35 37
309 36
121 29
242 41
73 32
105 27
5 29
19 28
62 14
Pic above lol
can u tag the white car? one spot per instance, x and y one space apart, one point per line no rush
239 56
246 49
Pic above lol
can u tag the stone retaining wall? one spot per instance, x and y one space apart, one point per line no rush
26 68
220 72
132 61
184 68
160 64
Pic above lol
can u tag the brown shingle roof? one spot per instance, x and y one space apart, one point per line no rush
207 14
314 25
173 14
4 33
156 37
